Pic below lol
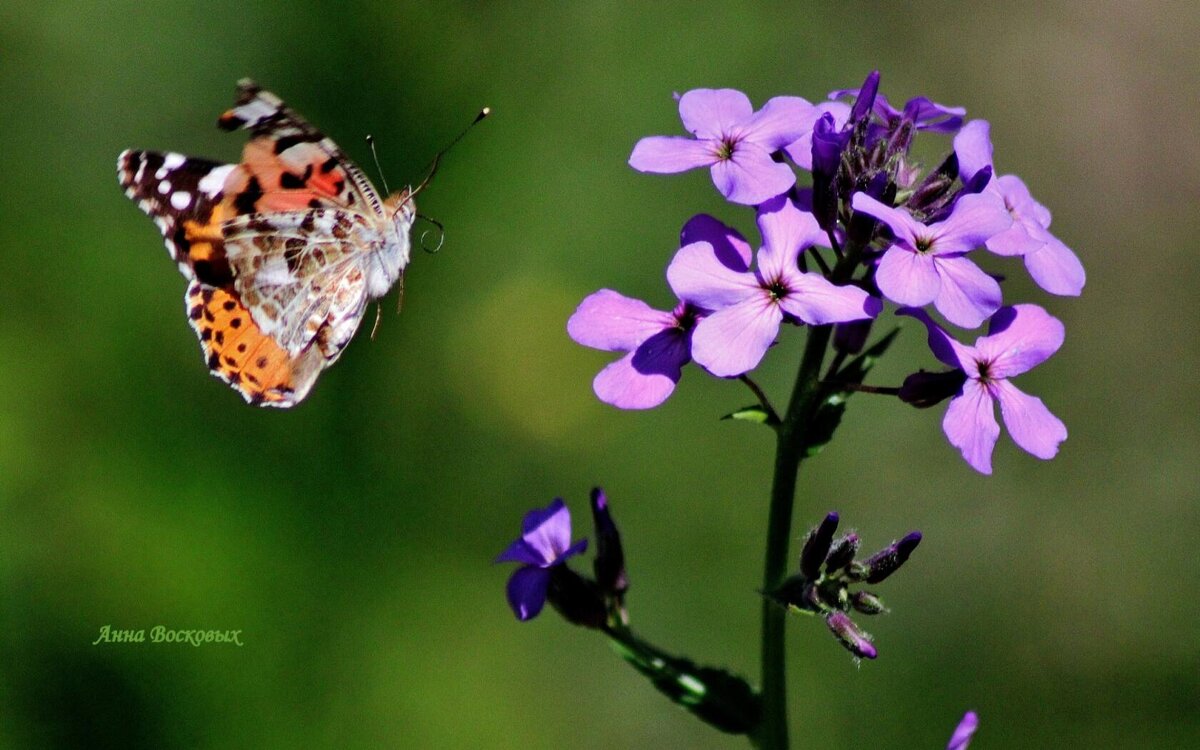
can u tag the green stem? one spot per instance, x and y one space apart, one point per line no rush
773 731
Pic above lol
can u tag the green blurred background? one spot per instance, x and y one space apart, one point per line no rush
351 539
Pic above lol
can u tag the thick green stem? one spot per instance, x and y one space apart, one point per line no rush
773 731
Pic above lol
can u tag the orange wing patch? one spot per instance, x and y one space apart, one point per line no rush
239 352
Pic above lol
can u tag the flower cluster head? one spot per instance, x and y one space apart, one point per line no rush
848 220
543 550
828 569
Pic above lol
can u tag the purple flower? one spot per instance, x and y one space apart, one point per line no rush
1019 338
544 543
961 739
801 151
659 343
748 306
1052 264
923 113
926 263
732 139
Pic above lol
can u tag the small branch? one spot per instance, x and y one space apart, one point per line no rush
763 401
860 388
820 261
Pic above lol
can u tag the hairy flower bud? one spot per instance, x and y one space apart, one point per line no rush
850 636
609 565
888 560
816 549
843 552
925 389
867 603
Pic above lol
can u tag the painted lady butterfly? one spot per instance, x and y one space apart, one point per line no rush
282 252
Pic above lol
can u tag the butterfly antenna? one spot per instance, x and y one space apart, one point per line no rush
375 156
438 157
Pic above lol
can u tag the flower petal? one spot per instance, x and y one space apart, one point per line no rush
934 117
781 121
1056 269
963 733
800 151
751 176
948 350
548 530
714 113
527 591
1020 338
818 301
612 322
669 154
903 225
520 552
785 230
970 425
645 377
907 277
696 275
968 296
973 147
1030 423
1015 240
975 219
733 341
730 247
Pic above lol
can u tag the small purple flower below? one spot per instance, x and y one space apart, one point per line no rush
733 140
961 739
749 306
1019 338
545 542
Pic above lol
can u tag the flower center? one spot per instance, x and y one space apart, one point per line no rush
984 371
924 245
726 148
777 290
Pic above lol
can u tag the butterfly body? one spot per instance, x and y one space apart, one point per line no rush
282 251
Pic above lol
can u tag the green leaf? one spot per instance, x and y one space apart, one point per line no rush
829 411
715 696
753 413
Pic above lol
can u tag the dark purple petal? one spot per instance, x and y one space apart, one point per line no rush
669 154
751 176
527 591
970 425
1019 338
973 147
781 121
1056 269
611 321
968 296
1030 423
714 113
866 96
801 150
943 345
520 552
907 277
730 248
696 275
929 115
733 341
963 733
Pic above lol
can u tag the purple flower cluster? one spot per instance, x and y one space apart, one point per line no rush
868 227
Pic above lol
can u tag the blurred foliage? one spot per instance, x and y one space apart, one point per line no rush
351 538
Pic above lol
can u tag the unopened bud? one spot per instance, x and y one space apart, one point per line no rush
578 599
843 552
609 564
866 96
926 389
849 635
816 548
887 561
849 338
867 603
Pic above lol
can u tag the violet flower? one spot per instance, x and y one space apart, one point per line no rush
961 739
926 263
922 112
1052 264
1019 338
748 306
733 140
545 542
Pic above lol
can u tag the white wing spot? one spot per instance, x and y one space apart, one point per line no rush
164 187
173 161
181 200
214 181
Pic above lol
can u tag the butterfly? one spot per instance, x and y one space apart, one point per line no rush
282 251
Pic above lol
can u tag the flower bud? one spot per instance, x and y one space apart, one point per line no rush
816 549
867 603
925 389
849 635
866 97
888 560
609 565
843 552
849 338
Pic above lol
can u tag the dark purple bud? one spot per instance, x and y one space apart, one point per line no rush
933 189
609 564
866 97
578 599
926 389
888 560
978 181
901 140
849 338
827 146
862 226
843 552
848 634
816 548
867 603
